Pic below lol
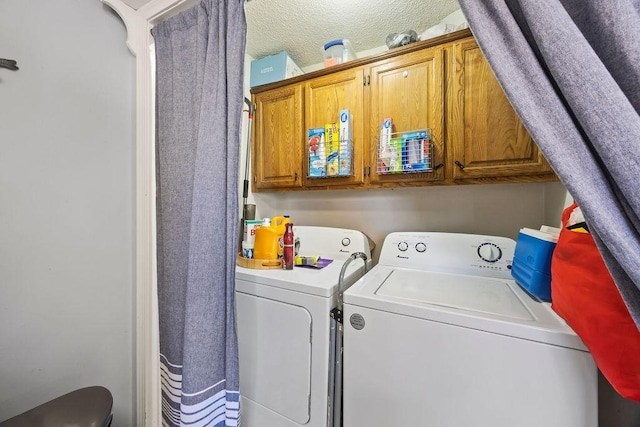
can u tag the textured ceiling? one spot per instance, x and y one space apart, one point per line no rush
302 27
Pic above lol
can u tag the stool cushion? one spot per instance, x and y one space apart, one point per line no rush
86 407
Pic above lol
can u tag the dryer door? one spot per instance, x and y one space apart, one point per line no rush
274 345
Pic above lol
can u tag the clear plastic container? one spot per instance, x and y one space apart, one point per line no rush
338 52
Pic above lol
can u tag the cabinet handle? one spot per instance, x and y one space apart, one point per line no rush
295 176
405 74
368 80
438 166
460 165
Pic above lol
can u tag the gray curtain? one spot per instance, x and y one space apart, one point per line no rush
571 69
200 63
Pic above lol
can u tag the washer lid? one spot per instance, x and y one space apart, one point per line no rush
492 305
477 294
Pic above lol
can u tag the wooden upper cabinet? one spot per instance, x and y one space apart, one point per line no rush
486 137
443 84
408 89
278 138
324 98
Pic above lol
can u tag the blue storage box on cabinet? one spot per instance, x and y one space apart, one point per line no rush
531 267
273 68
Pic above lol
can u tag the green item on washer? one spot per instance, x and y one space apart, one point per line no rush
306 260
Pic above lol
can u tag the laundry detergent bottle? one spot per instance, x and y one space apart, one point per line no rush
280 222
268 239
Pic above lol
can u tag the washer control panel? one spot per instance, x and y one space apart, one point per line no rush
490 252
474 254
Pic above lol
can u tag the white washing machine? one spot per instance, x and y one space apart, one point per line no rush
284 328
438 334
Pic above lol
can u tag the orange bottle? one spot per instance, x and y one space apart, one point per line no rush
268 240
279 223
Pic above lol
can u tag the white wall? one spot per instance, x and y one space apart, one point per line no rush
496 209
66 204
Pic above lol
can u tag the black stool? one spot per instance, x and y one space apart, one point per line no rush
86 407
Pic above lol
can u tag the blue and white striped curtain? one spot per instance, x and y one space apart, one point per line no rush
200 63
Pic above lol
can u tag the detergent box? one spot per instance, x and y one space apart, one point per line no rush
317 156
332 148
345 158
531 267
273 68
415 151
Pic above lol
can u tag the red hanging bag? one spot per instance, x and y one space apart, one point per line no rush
586 297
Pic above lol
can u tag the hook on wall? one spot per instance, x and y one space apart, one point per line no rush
9 64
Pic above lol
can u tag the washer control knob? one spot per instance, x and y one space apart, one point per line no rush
346 241
421 247
403 246
489 252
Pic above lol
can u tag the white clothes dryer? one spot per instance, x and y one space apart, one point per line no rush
439 334
284 329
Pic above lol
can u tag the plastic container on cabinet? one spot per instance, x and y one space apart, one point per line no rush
338 52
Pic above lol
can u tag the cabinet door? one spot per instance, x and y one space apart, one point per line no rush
486 136
324 98
278 138
409 90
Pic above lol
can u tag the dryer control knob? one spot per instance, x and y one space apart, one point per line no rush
421 247
346 241
403 246
489 252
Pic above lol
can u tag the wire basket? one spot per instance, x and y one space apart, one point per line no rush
405 152
329 160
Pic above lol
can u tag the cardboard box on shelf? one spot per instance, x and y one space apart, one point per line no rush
273 68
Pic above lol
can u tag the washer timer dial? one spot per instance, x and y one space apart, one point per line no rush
489 252
403 246
421 247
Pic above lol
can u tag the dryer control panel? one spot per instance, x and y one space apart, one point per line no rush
473 254
333 243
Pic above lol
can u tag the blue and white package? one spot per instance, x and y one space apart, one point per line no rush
317 156
384 157
345 143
